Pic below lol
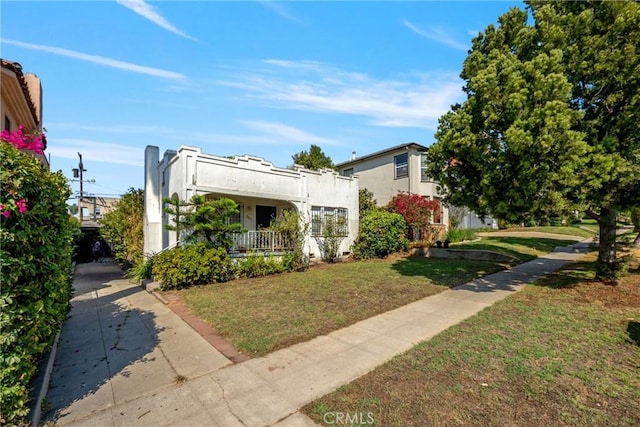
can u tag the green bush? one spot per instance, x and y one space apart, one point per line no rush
460 234
122 227
381 233
35 272
141 270
193 264
258 265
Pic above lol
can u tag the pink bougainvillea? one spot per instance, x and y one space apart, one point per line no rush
21 205
22 140
11 205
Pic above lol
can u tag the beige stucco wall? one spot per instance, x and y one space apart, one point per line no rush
377 174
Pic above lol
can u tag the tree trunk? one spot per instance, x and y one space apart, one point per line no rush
605 268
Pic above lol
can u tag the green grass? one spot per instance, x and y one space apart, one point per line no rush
573 230
565 351
523 248
265 314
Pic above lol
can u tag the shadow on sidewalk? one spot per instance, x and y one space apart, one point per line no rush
102 338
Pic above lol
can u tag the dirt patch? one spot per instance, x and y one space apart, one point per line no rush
626 294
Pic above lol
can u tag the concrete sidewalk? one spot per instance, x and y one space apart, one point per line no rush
126 359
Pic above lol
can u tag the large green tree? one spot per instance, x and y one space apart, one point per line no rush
550 123
313 159
122 227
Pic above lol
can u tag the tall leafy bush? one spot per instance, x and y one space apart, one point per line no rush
293 229
35 271
418 212
381 233
122 227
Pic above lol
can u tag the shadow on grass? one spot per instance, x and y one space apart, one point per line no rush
567 278
539 244
633 329
445 272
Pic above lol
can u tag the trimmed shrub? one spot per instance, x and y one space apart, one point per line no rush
36 249
381 233
256 265
194 264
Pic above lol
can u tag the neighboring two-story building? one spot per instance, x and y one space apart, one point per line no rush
403 168
21 101
397 169
261 190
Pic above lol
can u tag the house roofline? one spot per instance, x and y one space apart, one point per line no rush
16 68
382 152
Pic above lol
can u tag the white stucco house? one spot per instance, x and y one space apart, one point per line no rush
261 190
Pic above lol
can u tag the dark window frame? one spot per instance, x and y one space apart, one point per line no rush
401 168
321 214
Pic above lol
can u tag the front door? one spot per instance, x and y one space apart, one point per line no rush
264 216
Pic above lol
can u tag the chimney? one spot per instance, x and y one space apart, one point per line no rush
35 90
353 155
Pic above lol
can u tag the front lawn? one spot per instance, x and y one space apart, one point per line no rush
265 314
573 230
523 248
565 351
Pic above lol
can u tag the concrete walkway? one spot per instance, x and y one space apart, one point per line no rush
126 359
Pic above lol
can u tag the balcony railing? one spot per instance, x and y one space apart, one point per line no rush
259 241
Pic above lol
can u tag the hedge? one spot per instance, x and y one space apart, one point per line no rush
35 272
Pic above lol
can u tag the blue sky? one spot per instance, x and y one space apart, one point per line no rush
261 78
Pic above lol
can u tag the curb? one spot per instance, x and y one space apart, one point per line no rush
151 287
42 382
35 414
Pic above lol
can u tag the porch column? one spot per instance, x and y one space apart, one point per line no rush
152 227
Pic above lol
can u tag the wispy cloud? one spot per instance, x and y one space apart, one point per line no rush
288 133
260 133
109 62
436 34
111 128
96 151
410 101
149 12
278 8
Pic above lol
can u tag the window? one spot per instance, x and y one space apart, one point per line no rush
235 218
401 162
423 168
347 172
325 219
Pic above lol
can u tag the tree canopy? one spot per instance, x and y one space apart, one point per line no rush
122 227
314 159
550 124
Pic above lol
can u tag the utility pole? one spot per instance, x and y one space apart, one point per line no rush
77 173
